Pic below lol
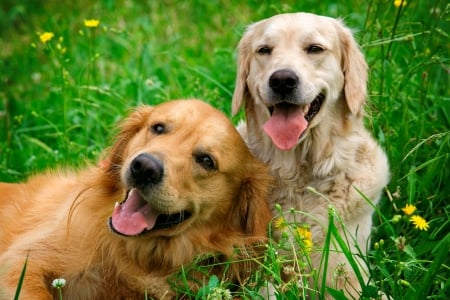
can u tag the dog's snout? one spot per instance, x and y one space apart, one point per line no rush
283 81
146 169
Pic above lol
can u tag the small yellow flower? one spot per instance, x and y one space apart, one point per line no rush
280 223
398 3
46 37
420 223
306 237
308 244
409 209
91 23
304 233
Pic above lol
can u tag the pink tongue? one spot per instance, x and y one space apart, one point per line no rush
133 216
285 126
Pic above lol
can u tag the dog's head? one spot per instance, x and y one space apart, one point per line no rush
292 71
185 168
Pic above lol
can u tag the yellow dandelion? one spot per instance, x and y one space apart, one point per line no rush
304 233
420 223
307 244
306 237
91 23
398 3
46 37
280 223
409 209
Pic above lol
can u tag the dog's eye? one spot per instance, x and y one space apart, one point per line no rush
158 128
206 161
314 49
264 50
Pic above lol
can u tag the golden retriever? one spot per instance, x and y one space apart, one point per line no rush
178 182
302 80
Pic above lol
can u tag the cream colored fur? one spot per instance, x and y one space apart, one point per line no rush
336 155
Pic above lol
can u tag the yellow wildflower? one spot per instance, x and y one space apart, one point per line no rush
306 237
307 244
304 233
46 37
398 3
280 223
409 209
420 223
91 23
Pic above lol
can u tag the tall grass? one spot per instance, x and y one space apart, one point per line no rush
59 102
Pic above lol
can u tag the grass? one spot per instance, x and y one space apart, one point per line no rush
59 102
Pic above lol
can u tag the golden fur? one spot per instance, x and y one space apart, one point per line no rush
59 220
335 154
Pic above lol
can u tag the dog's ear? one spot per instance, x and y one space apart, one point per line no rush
252 205
243 68
355 71
130 126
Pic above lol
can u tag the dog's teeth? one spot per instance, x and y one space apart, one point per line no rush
117 204
306 108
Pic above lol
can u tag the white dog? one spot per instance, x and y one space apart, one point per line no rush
302 79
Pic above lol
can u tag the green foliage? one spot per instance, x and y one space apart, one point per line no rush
60 101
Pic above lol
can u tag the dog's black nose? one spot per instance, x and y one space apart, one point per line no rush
146 169
283 81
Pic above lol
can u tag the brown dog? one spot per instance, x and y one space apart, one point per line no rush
302 80
178 182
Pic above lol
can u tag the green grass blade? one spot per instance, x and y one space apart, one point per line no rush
337 295
39 143
326 250
21 279
377 211
347 252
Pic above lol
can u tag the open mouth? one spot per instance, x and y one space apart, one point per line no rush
288 122
134 216
309 110
314 107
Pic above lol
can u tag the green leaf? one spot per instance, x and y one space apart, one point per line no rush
410 251
338 295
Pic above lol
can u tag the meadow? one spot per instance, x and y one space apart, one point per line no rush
65 82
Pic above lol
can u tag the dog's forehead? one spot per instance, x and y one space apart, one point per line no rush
178 109
296 27
192 116
185 111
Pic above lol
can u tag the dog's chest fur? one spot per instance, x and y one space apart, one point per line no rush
311 181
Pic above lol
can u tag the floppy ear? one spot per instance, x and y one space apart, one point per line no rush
243 68
127 129
355 71
252 204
